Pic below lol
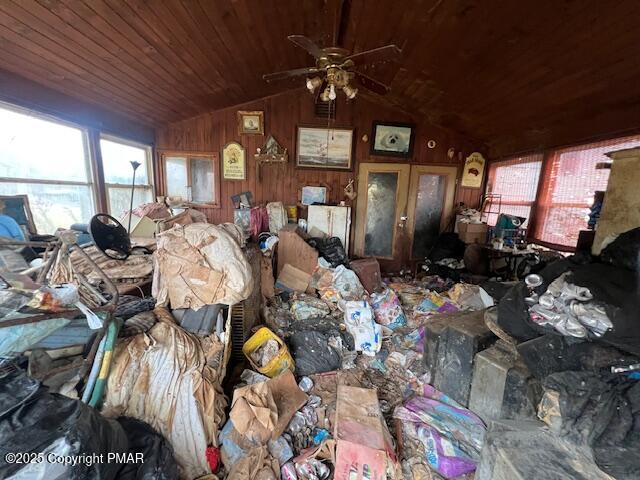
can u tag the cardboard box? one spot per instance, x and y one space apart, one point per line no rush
295 251
473 232
364 448
292 279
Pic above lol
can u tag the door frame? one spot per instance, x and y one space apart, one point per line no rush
451 175
404 171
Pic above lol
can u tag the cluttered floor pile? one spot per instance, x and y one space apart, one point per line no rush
347 374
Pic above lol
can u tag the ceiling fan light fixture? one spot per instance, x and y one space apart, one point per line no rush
313 83
324 96
332 92
350 92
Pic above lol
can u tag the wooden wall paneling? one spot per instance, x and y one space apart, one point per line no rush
20 38
283 113
145 39
507 75
176 33
26 65
20 91
99 54
140 57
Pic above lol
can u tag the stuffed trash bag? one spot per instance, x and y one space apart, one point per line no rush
51 428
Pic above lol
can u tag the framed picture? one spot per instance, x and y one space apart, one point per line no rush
242 200
17 207
394 139
328 148
311 195
233 162
250 123
473 171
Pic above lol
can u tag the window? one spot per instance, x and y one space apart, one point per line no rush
117 155
570 180
192 177
49 162
516 181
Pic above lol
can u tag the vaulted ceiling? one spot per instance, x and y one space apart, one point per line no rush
512 74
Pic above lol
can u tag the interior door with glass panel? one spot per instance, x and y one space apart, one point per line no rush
381 212
430 206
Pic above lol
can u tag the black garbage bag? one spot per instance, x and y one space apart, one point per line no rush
331 249
601 412
554 353
513 314
312 353
38 422
448 245
624 251
443 271
159 462
615 287
619 289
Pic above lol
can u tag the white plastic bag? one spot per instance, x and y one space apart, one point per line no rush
367 335
347 283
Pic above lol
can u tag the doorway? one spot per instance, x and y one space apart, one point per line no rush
401 210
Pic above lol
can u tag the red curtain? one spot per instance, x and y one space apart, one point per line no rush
570 179
516 181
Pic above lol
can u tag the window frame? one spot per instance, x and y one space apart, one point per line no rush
90 169
549 156
148 164
545 192
513 161
188 155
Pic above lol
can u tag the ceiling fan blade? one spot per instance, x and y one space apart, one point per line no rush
388 52
298 72
306 43
371 84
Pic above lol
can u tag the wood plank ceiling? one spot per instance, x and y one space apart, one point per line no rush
511 74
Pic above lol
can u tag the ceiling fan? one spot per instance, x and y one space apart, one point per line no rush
336 67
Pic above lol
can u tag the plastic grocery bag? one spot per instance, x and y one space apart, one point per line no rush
387 309
367 335
347 283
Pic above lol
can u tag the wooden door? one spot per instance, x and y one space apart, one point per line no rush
381 212
430 207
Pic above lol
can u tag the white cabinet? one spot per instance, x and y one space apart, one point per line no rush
332 221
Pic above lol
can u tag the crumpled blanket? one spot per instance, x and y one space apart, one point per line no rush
200 264
162 377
